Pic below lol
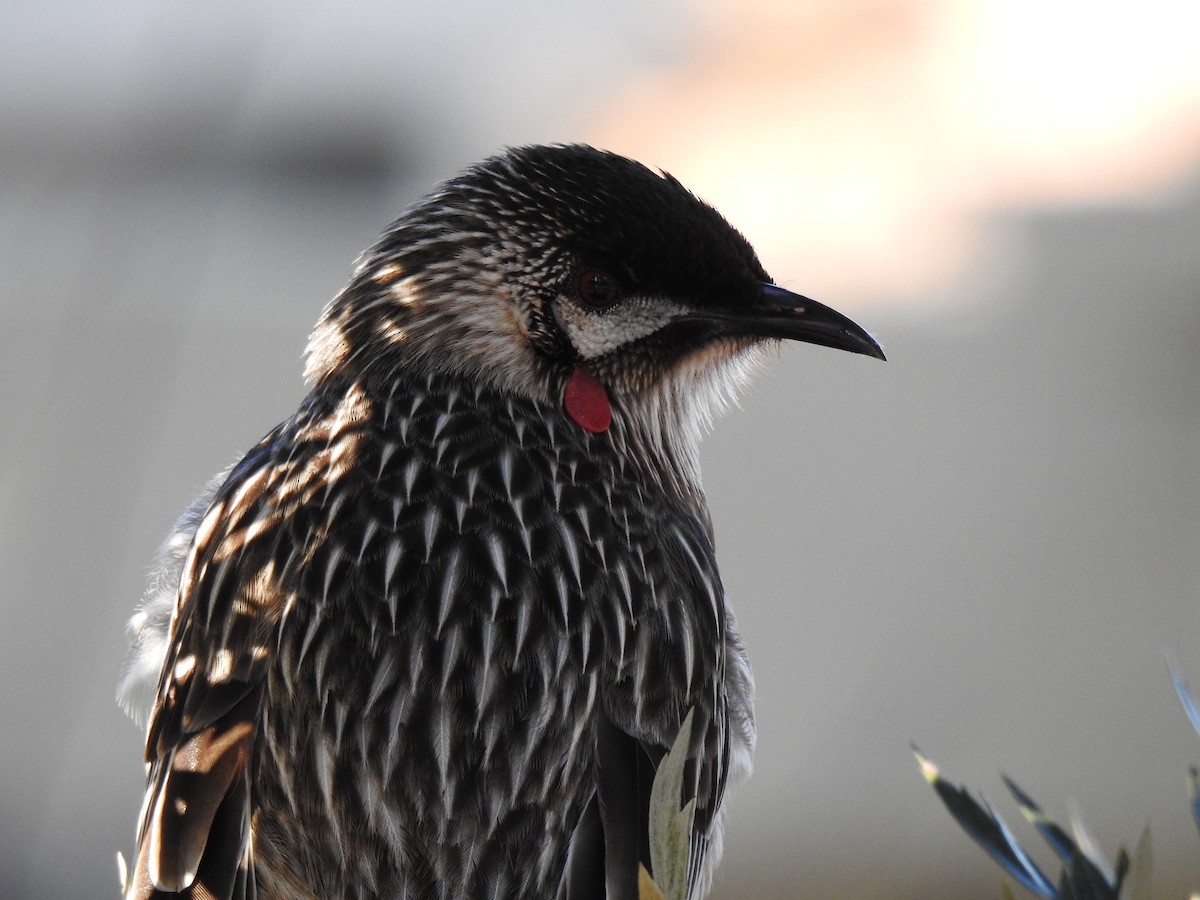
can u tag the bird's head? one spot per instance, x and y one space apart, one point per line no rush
576 277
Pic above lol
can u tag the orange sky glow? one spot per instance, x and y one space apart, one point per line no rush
860 145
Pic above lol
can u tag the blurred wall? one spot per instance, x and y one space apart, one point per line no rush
984 545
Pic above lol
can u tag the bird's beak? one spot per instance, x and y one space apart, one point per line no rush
782 314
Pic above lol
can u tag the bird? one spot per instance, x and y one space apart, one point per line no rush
432 636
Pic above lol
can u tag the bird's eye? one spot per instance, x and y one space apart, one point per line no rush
598 289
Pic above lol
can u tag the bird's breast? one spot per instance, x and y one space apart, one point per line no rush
485 577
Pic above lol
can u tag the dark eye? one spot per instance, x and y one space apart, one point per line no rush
598 289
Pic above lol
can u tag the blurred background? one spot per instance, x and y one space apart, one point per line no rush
984 546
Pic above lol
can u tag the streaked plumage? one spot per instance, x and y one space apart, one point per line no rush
432 635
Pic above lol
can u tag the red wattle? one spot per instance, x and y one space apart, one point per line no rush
586 401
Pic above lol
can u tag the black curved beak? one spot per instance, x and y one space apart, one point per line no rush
782 314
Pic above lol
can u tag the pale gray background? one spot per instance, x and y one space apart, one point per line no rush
984 545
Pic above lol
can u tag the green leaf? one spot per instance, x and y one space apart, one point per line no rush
1136 885
671 826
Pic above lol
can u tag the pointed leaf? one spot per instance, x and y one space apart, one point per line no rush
1059 841
1194 794
1122 867
1136 885
1185 696
1082 872
671 826
1089 846
1082 881
988 830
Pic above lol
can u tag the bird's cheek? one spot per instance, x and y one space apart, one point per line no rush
595 334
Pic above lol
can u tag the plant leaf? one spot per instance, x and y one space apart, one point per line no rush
1059 841
1083 874
671 826
1090 847
1194 793
1185 696
1136 885
1082 881
988 830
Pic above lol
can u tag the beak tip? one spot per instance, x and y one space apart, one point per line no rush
866 346
816 323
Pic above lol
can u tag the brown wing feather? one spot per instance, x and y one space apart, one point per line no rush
198 822
194 839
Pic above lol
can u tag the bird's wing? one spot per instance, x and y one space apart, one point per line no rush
707 770
634 733
194 839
